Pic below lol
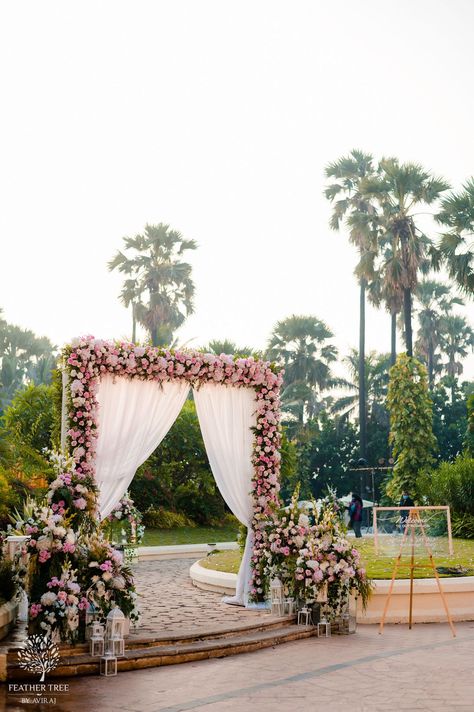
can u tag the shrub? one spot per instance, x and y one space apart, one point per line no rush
7 581
411 424
13 492
159 518
453 484
177 475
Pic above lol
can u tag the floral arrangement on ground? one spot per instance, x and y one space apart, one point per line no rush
311 555
67 566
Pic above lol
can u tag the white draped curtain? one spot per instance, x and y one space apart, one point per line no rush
134 417
226 416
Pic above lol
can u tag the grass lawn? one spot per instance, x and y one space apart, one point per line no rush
377 567
189 535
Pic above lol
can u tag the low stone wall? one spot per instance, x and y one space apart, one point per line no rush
212 580
427 603
8 614
182 551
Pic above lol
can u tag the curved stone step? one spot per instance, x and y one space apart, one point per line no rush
172 652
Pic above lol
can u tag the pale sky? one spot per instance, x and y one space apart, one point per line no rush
218 118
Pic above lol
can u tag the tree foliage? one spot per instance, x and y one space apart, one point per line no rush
469 439
325 448
158 284
177 476
24 358
452 483
302 346
411 424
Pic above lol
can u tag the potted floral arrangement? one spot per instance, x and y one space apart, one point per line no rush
314 559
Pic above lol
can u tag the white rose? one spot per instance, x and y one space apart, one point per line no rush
107 575
59 531
118 582
43 543
47 599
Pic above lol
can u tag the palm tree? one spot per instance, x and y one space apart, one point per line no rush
398 190
376 377
433 300
457 339
301 345
130 296
227 346
382 289
24 356
457 244
161 276
357 212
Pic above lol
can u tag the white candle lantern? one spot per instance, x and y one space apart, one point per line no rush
115 644
324 628
305 617
97 639
91 616
348 622
276 597
290 606
108 665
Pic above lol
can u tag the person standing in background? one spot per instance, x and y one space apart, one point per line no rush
355 514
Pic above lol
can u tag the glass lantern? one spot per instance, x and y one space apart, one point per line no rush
108 665
305 617
348 623
91 616
96 641
276 597
324 628
290 606
115 644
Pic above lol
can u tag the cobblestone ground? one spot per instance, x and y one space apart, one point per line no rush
169 601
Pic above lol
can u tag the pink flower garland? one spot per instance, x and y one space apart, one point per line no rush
87 359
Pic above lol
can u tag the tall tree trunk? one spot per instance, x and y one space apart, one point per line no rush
393 339
134 324
362 379
430 366
407 320
154 336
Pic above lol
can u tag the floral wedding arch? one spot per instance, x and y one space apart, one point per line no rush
120 400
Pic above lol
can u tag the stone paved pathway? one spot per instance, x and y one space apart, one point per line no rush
423 670
169 601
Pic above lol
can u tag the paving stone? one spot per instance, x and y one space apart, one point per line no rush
168 601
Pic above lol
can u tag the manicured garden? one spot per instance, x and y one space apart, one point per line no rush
378 567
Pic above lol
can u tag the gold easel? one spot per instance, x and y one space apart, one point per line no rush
414 520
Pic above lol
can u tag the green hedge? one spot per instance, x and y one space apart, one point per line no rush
7 583
453 484
159 518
